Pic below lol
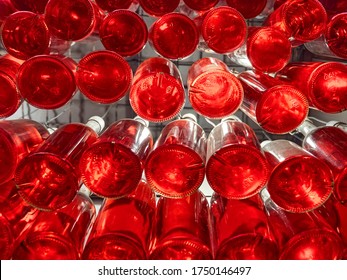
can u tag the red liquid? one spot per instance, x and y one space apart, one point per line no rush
200 5
335 35
324 84
158 8
214 92
334 7
112 167
112 5
9 95
304 236
123 32
248 8
48 178
241 230
103 76
300 20
58 235
182 229
236 168
123 228
224 30
36 6
47 81
341 211
176 166
174 36
17 139
330 145
157 93
276 107
6 9
299 182
70 20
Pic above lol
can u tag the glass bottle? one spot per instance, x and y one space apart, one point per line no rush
174 36
266 50
123 32
338 124
159 8
6 9
241 230
17 139
236 167
329 144
123 228
47 81
58 235
48 178
213 90
200 5
248 8
9 95
299 182
276 107
112 167
176 166
35 6
185 235
103 76
302 236
323 83
110 6
334 7
157 93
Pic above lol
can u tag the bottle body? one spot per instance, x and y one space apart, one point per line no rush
110 6
36 6
159 8
249 8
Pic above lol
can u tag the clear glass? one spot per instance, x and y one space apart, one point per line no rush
16 217
103 76
241 230
248 8
112 167
236 167
176 166
110 6
276 107
299 182
47 81
36 6
158 8
182 229
123 228
9 95
58 235
48 178
157 93
174 36
213 90
303 236
322 82
123 32
266 50
17 139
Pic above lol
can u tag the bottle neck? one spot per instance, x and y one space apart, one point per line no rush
306 128
96 123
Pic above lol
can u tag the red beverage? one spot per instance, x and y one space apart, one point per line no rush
174 36
338 124
58 235
103 76
157 92
266 50
71 20
223 30
276 107
299 182
324 83
17 139
341 210
303 236
6 9
112 5
214 91
47 81
123 32
248 8
185 234
15 218
176 166
36 6
241 230
334 7
123 228
330 145
299 20
48 178
158 8
9 95
236 167
200 5
112 167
